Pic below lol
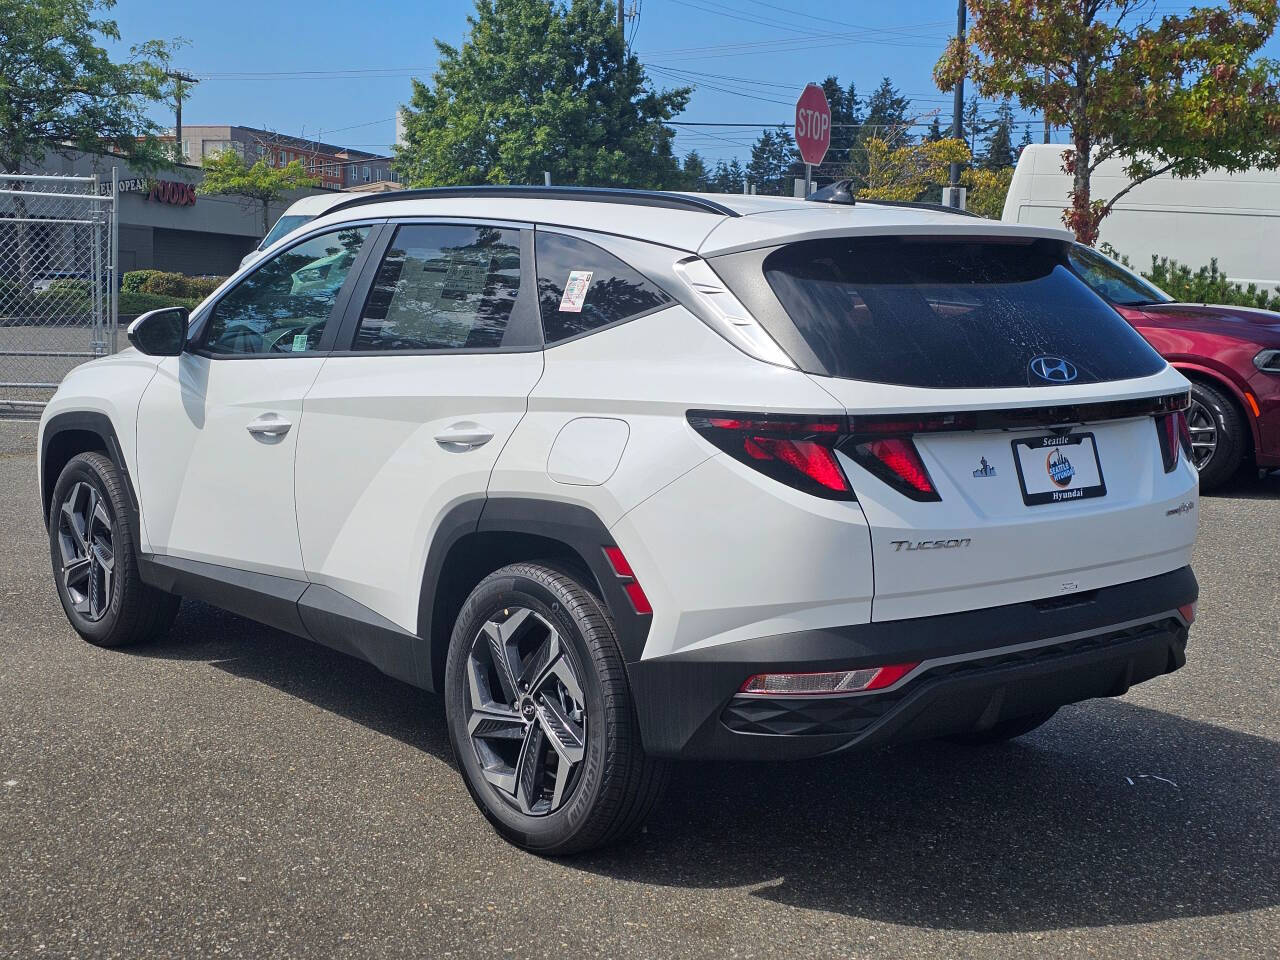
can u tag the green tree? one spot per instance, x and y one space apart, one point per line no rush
61 91
540 85
1171 93
227 173
1026 140
908 171
694 172
846 120
774 162
998 152
935 130
728 177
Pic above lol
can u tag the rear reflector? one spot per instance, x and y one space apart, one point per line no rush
896 461
1188 611
622 570
836 681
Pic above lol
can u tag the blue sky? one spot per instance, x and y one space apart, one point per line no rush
339 70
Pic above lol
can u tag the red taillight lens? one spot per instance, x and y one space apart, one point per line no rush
897 461
1174 436
1188 611
796 450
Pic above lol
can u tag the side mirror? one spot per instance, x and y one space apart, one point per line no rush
160 333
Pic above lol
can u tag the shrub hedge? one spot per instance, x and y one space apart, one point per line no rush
163 284
1206 285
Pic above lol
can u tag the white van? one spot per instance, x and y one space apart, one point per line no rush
1234 217
299 212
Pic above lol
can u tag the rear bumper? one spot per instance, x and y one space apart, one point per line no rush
977 668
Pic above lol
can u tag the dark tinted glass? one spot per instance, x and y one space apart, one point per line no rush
283 306
1112 281
954 314
581 288
442 287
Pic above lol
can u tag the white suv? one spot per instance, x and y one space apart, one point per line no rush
630 476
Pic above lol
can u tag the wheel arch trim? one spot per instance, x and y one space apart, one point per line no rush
1193 371
575 527
84 421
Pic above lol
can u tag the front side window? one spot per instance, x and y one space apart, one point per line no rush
950 313
284 305
1112 281
442 287
582 288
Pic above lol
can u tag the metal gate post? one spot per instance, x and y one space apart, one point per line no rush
113 273
96 343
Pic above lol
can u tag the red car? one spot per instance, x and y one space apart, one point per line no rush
1231 355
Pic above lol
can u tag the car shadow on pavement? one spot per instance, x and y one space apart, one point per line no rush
1248 485
1110 814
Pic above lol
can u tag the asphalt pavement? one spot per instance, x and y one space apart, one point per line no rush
236 792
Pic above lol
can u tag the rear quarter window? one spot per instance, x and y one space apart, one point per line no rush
582 288
950 313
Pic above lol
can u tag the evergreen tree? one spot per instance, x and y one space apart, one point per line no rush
998 151
886 111
774 162
1026 140
694 172
846 117
935 131
727 177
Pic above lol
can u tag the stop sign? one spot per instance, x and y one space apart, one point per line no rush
813 124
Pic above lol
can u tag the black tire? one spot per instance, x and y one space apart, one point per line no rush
1004 730
611 788
110 608
1231 434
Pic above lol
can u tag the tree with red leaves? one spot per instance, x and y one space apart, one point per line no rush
1173 93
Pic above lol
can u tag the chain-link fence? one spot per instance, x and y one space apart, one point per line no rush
57 282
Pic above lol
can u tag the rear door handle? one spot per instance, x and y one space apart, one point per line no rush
464 436
269 425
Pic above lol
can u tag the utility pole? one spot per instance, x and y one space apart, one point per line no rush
180 80
622 19
957 110
1046 113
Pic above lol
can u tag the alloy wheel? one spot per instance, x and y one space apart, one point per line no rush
1204 434
86 545
526 715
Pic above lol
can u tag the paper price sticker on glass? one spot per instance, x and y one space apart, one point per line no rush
575 291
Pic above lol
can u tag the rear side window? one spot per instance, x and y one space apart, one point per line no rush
286 224
1113 281
950 313
582 288
442 287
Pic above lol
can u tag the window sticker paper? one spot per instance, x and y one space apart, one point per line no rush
575 291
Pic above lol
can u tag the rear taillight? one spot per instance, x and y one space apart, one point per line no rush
1175 437
796 450
896 461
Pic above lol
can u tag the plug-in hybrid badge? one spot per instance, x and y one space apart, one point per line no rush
1054 369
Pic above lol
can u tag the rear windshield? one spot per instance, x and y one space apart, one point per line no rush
286 224
951 313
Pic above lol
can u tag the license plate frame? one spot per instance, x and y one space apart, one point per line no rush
1058 491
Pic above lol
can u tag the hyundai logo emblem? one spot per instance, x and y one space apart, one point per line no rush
1054 369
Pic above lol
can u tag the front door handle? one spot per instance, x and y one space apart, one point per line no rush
464 436
269 425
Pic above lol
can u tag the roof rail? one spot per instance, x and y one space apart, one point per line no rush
841 192
640 198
